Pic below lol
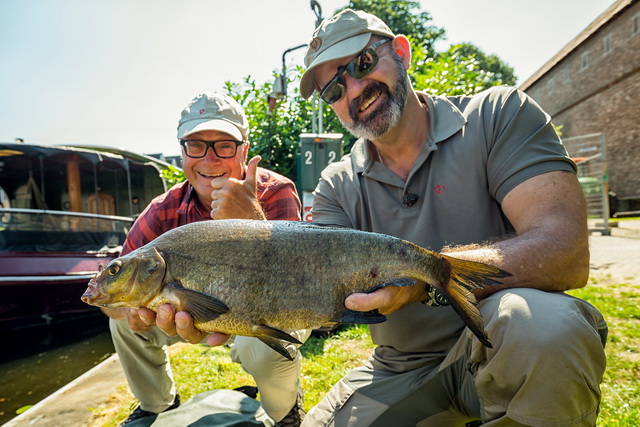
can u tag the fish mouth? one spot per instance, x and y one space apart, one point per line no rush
93 295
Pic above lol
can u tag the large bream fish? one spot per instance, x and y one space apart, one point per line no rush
262 278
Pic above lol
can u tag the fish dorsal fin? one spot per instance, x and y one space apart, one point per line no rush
202 307
338 226
402 281
365 317
373 316
319 226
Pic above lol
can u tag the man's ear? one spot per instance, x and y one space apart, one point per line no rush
245 151
401 46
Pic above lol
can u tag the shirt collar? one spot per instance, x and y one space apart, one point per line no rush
192 197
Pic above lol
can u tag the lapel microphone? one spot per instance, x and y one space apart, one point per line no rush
409 199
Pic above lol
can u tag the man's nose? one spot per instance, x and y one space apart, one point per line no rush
210 154
354 86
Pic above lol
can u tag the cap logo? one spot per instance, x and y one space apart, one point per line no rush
315 43
202 111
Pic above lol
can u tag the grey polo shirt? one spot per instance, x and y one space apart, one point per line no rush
479 148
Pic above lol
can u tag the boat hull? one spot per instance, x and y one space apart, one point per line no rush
43 290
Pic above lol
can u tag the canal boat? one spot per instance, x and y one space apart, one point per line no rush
64 214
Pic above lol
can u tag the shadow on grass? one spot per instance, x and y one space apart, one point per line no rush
314 346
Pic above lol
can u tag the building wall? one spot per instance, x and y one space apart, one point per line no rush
602 96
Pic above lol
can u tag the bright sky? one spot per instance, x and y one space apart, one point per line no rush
118 72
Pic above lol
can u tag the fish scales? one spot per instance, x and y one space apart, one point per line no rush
263 278
255 261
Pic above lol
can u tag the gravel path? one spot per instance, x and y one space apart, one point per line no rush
616 258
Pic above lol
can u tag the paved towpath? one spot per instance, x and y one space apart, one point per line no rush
72 404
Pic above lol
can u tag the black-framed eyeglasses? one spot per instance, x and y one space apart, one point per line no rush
225 149
358 67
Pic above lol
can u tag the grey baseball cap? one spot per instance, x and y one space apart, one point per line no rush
214 111
345 34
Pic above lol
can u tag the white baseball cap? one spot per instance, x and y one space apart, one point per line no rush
214 111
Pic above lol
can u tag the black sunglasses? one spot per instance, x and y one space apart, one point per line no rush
225 149
358 67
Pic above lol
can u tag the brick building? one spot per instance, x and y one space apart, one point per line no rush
593 85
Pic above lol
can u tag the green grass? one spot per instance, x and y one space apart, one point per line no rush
200 368
620 305
325 360
626 218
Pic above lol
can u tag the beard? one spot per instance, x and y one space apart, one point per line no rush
387 114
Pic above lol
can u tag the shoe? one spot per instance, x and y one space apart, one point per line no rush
296 414
140 413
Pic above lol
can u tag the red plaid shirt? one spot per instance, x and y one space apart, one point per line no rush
180 205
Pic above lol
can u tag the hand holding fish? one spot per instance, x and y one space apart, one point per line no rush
137 322
173 322
233 198
386 300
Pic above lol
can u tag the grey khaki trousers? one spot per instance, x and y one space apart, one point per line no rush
145 361
544 369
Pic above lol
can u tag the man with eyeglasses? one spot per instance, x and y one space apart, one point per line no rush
485 178
213 133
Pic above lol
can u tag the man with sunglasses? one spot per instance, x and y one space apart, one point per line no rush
213 133
458 170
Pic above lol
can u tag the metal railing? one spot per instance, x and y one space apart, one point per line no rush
589 153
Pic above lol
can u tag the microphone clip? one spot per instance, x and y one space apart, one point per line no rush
409 199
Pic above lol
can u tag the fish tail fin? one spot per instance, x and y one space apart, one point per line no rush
463 277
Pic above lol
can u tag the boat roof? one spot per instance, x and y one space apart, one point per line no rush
94 154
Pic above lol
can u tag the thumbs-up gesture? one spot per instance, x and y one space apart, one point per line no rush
234 198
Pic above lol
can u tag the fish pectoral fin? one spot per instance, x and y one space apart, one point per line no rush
402 281
202 307
276 345
268 331
367 317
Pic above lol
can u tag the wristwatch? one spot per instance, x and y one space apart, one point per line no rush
436 299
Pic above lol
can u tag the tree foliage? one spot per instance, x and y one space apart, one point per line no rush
461 70
501 73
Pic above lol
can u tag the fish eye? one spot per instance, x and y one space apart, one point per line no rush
114 268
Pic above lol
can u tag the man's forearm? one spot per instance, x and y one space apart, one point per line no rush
548 260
